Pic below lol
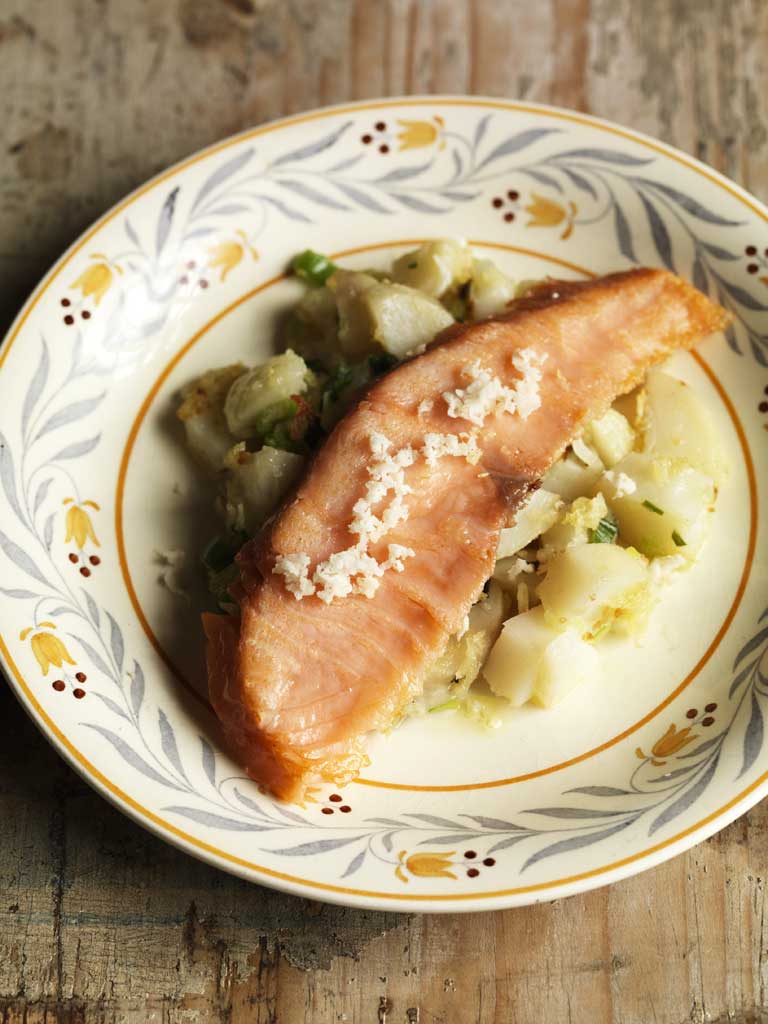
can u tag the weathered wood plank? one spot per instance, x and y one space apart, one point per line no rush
100 921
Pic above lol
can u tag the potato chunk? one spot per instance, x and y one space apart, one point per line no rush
573 477
611 436
490 290
667 513
374 313
202 413
678 426
588 586
533 661
538 514
252 394
256 483
435 267
454 671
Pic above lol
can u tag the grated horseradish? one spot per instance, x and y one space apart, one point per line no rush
354 570
485 394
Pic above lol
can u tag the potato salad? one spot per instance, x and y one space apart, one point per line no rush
625 509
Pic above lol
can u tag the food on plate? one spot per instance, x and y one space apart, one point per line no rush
423 502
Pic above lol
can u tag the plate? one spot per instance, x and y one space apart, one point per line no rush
188 272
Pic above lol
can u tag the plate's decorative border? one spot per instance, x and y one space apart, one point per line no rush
37 466
576 187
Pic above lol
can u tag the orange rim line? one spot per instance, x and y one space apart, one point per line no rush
122 797
409 787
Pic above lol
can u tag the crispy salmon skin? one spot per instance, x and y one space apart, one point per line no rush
298 683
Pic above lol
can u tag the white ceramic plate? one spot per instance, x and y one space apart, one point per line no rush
187 273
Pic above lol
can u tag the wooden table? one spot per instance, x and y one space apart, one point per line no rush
99 921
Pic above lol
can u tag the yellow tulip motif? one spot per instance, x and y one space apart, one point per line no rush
424 865
546 213
670 743
97 279
46 647
417 134
228 255
78 523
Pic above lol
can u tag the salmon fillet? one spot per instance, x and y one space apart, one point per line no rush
298 684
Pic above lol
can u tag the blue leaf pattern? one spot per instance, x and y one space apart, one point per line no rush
8 477
165 220
131 233
137 688
572 812
48 531
227 210
753 737
355 864
40 495
516 143
688 798
623 235
600 791
70 414
113 706
116 642
689 204
17 593
744 298
403 173
287 211
130 756
542 178
757 640
659 231
304 152
414 203
575 843
77 450
480 129
168 743
582 183
367 202
209 760
94 656
21 559
222 174
606 156
93 609
216 821
36 387
307 192
315 847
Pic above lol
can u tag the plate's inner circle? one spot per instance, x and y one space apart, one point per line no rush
161 484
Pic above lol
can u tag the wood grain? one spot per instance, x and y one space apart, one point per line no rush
100 921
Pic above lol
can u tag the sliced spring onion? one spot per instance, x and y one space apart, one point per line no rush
606 531
678 539
313 267
285 409
653 508
448 705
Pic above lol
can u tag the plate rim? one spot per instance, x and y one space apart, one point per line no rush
449 903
